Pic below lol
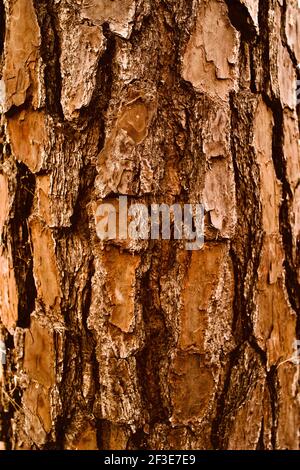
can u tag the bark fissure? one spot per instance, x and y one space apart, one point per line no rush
22 250
50 53
129 343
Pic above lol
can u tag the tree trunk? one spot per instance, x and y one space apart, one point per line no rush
142 344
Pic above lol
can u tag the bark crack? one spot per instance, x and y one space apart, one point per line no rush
50 53
22 253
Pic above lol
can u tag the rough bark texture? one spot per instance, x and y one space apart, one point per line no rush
133 345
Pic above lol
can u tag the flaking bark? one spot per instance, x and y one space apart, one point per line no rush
138 345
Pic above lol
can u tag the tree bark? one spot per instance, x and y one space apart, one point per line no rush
145 345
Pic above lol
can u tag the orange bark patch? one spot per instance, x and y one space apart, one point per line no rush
121 269
270 186
21 54
134 120
119 14
44 262
212 69
43 188
39 354
192 387
4 201
8 292
81 49
27 134
200 284
36 401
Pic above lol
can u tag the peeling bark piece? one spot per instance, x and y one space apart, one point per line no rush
118 161
192 388
22 70
216 132
286 78
219 197
81 48
4 202
28 137
39 353
270 186
198 291
211 69
292 27
252 7
118 13
43 189
8 292
274 319
37 408
46 273
120 281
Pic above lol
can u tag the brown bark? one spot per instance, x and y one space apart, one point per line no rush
133 345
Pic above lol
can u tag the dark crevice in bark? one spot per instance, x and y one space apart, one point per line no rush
241 20
96 379
253 86
216 431
87 294
95 111
159 339
245 252
263 21
279 161
138 440
150 357
102 428
102 91
273 390
70 384
88 348
280 165
50 52
16 110
232 398
291 281
246 248
21 248
260 442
